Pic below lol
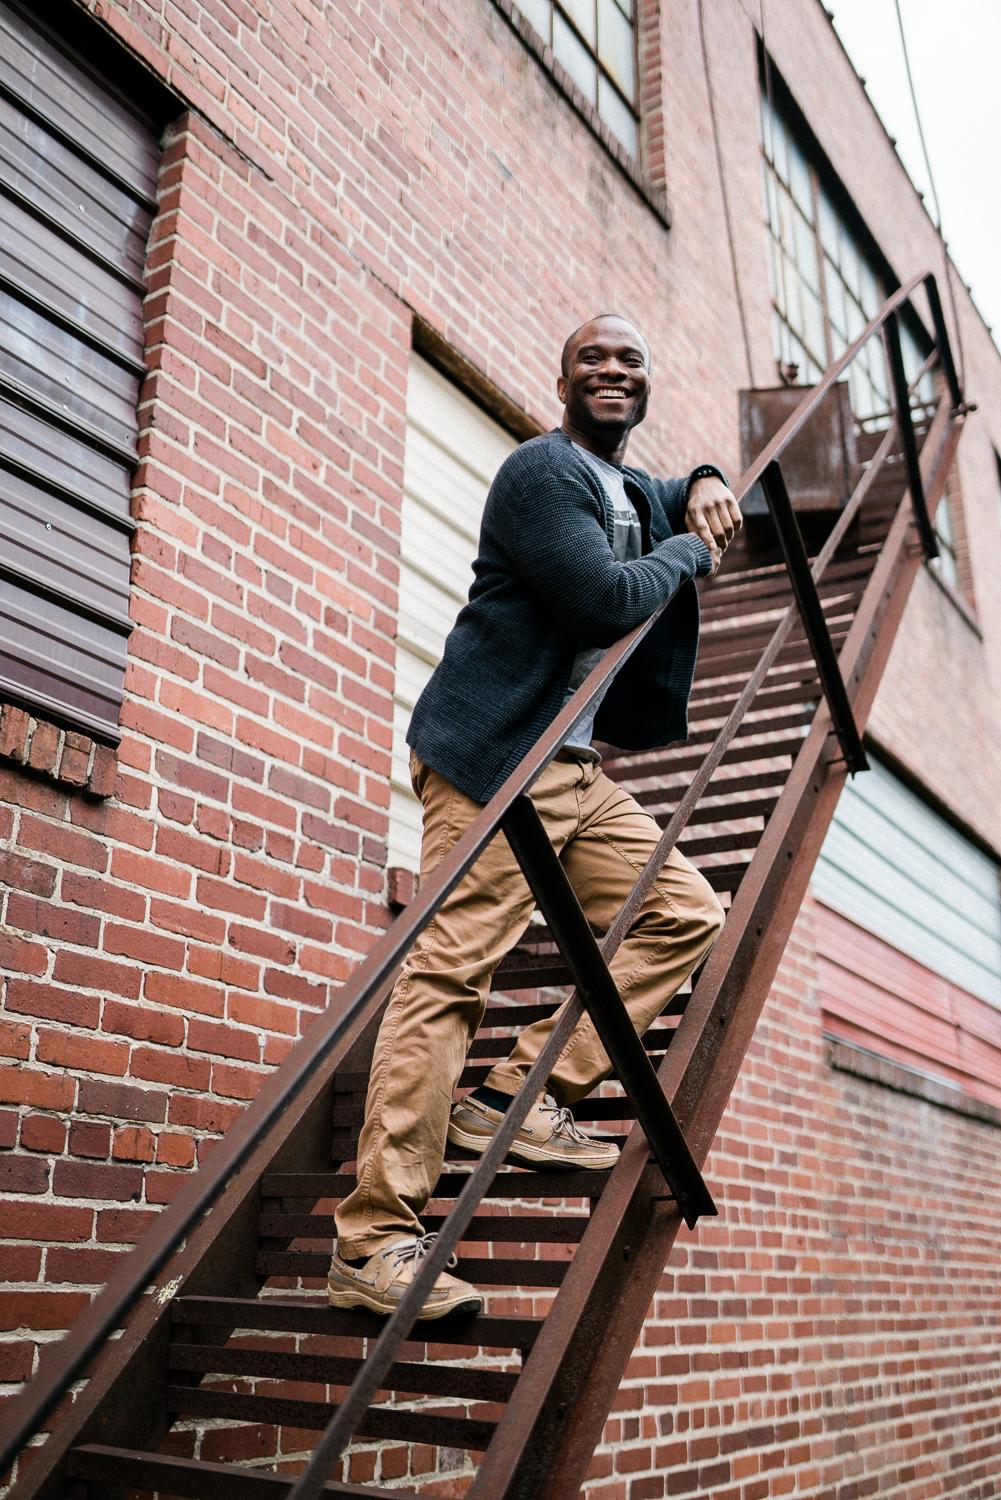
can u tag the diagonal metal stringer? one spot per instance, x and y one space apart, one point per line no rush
571 932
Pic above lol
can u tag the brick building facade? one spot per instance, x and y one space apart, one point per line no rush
340 185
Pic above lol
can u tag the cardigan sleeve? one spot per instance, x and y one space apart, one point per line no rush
558 546
673 493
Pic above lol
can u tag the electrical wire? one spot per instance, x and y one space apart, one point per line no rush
934 193
725 196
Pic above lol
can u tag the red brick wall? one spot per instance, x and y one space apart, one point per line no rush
837 1331
329 174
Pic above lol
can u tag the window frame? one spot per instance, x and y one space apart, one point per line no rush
560 9
644 170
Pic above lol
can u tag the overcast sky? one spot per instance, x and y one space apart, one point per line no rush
955 52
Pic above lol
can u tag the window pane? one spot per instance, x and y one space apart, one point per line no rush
781 150
871 293
806 251
618 117
768 188
616 47
767 129
849 261
775 275
799 179
539 13
571 52
786 223
835 289
813 321
946 560
828 225
856 319
943 521
794 307
581 13
799 356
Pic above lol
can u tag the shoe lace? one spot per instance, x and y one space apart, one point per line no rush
415 1250
564 1122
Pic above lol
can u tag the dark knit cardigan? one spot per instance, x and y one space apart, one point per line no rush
545 586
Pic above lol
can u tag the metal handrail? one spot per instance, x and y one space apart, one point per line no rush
25 1413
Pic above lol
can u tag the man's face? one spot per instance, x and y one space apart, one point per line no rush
607 386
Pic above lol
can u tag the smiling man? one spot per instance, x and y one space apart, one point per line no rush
575 549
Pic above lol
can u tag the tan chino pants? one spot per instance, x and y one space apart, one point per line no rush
604 838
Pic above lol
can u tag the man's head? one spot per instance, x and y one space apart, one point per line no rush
605 380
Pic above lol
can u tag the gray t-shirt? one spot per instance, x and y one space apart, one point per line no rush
627 543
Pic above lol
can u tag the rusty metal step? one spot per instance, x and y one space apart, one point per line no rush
654 1040
527 971
772 779
795 672
712 813
139 1473
510 1018
735 656
496 1271
721 843
482 1046
717 705
422 1426
725 877
347 1117
543 1229
747 639
314 1316
772 723
740 751
510 1182
425 1379
773 591
793 664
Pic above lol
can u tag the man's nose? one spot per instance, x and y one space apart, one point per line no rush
613 367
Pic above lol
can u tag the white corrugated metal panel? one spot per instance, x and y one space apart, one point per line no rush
453 452
898 869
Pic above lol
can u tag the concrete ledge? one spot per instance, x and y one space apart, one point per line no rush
846 1058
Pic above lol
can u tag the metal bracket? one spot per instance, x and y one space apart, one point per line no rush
905 424
572 934
811 610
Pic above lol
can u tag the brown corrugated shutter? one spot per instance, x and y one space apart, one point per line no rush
77 195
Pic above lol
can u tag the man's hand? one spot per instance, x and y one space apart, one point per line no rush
713 514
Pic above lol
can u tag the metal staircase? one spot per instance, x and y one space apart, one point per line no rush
221 1307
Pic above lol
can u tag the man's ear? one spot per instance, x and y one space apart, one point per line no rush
561 389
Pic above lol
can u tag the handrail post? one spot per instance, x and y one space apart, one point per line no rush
943 341
808 599
569 927
905 424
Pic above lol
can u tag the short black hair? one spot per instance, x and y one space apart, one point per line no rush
598 317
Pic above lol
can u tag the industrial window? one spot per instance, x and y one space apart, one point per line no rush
595 41
78 169
946 563
453 450
826 282
909 935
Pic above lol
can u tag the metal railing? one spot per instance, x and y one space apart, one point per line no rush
512 811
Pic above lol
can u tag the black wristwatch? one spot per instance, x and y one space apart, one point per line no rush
707 471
